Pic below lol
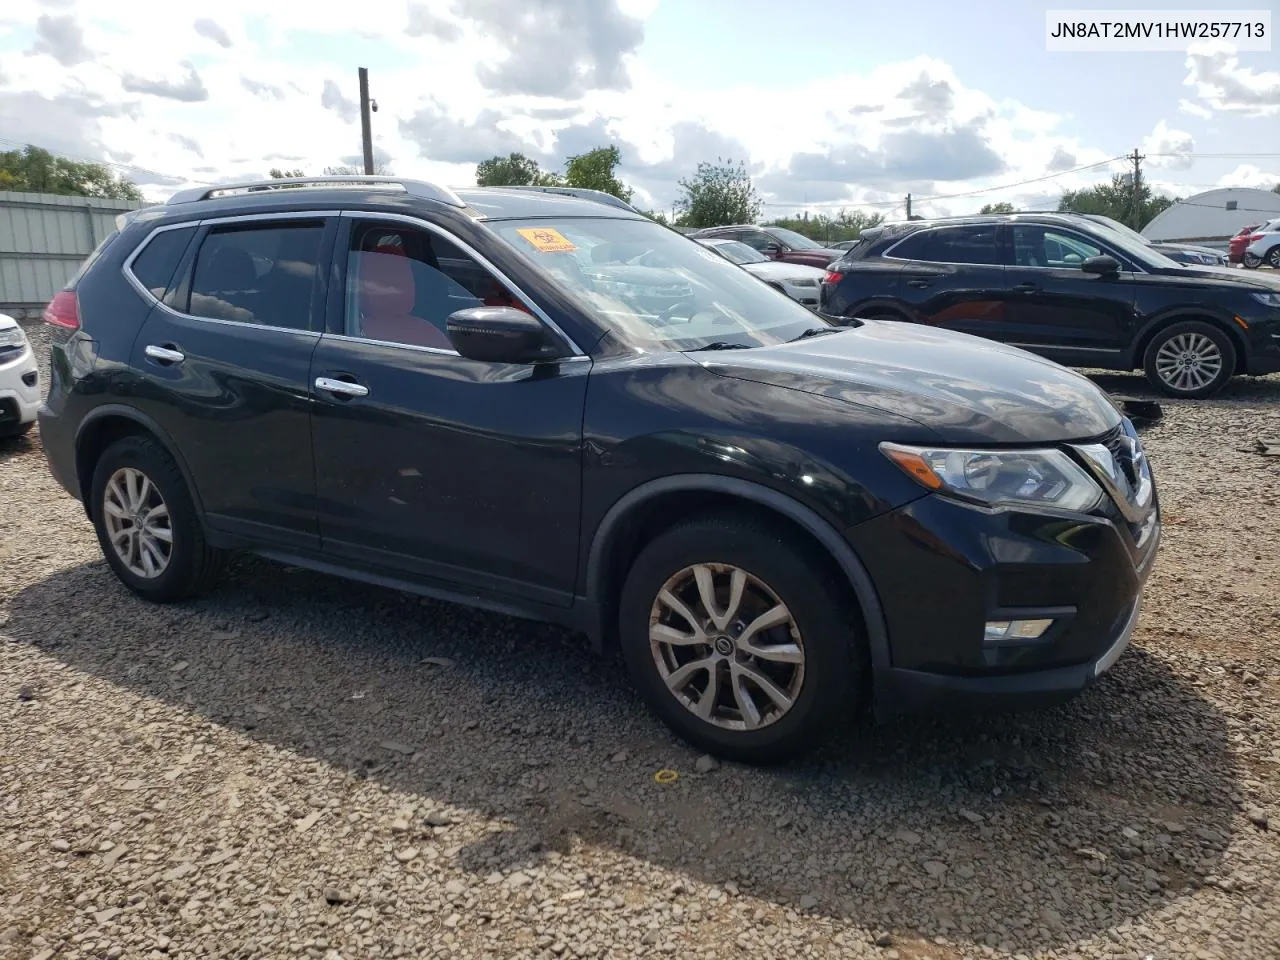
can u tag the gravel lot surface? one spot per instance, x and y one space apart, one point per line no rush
299 766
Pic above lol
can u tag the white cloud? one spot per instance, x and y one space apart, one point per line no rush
1194 109
1215 72
1169 148
1248 175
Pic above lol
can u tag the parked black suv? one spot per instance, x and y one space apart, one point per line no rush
1070 290
776 519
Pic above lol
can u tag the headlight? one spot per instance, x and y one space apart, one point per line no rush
1266 298
12 337
1044 478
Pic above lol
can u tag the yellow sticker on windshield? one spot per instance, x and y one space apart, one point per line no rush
546 240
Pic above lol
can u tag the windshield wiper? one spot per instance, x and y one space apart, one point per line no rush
723 345
814 332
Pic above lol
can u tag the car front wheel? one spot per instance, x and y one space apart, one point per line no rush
742 642
146 522
1273 257
1191 360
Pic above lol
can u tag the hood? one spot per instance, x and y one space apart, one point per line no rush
1247 280
1188 247
966 389
779 270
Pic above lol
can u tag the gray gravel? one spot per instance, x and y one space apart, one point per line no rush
299 766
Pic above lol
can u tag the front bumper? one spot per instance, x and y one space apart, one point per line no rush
19 390
943 569
918 691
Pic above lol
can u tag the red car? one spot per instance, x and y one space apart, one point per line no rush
776 243
1235 248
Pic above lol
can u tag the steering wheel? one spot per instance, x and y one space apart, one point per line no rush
668 315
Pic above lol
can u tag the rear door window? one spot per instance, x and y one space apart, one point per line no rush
264 273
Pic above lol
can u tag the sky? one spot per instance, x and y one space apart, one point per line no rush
830 105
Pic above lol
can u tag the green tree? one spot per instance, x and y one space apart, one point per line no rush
513 170
380 169
845 225
34 170
1116 200
595 170
1001 207
717 194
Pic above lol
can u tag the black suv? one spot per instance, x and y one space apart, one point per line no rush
451 393
1070 290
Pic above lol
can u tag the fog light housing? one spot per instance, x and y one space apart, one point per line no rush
1015 631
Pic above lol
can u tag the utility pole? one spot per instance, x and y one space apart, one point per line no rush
1136 215
366 132
908 206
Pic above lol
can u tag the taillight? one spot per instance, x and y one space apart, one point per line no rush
1254 238
63 311
833 276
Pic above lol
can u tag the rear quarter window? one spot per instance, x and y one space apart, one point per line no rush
154 264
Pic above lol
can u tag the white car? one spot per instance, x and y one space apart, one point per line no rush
19 380
1265 249
797 281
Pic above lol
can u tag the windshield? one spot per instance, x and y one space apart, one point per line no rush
1138 250
738 252
655 289
794 240
1122 229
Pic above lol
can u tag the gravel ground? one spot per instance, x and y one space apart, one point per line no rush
299 766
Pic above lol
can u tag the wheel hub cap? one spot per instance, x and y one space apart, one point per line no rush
726 646
1189 361
137 523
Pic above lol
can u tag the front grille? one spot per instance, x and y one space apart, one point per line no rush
8 410
1119 463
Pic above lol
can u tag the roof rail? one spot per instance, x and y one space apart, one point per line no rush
582 193
415 188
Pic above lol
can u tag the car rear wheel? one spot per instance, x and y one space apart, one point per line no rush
1191 360
738 640
147 525
1251 261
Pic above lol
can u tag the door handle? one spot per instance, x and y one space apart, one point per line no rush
164 355
919 284
1027 286
341 388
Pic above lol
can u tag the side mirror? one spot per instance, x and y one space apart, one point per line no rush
772 249
500 335
1103 266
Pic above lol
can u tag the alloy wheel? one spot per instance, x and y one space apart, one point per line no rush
1189 362
138 524
727 648
1273 256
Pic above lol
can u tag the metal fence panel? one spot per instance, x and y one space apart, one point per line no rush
43 239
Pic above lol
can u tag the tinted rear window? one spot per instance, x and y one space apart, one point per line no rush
258 273
155 265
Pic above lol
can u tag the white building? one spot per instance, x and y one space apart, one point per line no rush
1213 217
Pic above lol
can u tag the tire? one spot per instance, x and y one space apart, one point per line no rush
774 571
13 431
1251 261
190 565
1273 257
1191 360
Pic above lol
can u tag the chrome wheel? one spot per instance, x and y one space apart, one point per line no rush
726 646
1252 261
1189 362
138 524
